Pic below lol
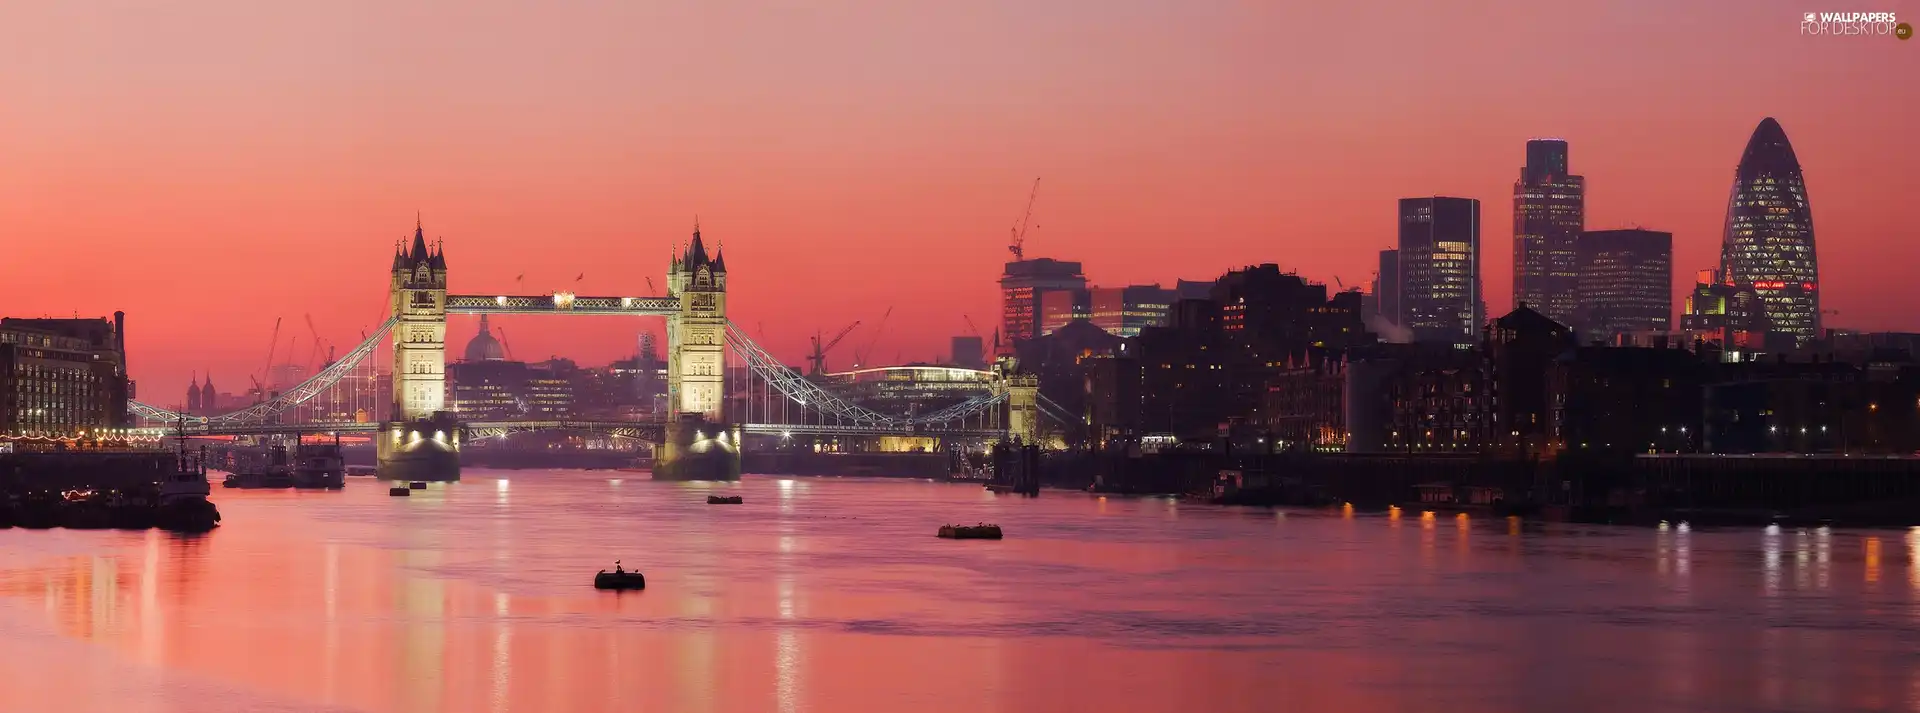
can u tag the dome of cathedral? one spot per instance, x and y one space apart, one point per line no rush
483 347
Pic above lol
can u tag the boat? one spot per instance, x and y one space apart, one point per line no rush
275 473
724 500
418 485
400 491
321 465
619 579
361 470
970 532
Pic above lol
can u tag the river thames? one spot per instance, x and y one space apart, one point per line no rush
828 594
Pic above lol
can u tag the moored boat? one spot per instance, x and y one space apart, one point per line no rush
418 485
970 532
619 580
399 491
320 465
724 500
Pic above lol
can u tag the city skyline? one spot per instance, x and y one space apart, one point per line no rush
272 187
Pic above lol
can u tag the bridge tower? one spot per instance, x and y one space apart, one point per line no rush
1023 400
700 443
423 439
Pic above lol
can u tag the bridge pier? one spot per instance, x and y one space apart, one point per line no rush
696 449
422 449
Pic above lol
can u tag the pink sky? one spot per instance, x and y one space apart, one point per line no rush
207 166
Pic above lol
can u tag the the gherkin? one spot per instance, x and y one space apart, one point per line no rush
1768 243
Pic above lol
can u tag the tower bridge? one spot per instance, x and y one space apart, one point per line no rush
697 438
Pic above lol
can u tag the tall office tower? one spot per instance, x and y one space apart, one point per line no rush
1549 211
1626 283
1769 236
1440 297
1022 287
1386 287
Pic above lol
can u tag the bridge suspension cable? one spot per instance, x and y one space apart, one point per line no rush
809 395
264 411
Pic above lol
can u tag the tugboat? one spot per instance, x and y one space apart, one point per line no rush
275 473
970 532
320 466
724 500
619 579
183 495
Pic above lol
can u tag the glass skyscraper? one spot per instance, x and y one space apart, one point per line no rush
1769 235
1626 283
1549 211
1440 298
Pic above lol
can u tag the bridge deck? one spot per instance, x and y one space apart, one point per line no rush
562 303
651 430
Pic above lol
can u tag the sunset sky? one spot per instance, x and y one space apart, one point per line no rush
208 166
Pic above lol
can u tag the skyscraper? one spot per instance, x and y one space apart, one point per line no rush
1549 211
1440 298
1769 234
1386 287
1625 284
1022 287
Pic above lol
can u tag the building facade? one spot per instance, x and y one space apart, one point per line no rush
1768 244
1625 283
1720 312
1549 213
1440 297
1058 307
1024 284
63 378
1124 311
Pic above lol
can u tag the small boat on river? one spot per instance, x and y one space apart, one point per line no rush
418 485
970 532
724 500
400 491
619 579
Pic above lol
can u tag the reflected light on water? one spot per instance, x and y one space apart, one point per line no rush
1872 555
354 602
1770 561
1913 558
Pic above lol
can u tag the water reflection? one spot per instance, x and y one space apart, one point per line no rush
833 595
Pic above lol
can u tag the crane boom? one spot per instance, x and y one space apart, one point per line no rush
315 353
1018 246
975 331
273 344
860 357
818 358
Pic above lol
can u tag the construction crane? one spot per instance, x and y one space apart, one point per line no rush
975 331
818 359
505 348
650 288
273 344
315 331
1018 245
860 357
